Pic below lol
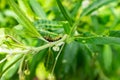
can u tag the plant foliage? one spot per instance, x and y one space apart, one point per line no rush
59 40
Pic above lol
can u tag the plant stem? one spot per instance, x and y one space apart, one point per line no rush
20 71
36 49
74 27
49 44
4 59
16 51
15 40
90 51
56 59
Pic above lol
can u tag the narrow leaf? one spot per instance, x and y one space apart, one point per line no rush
2 35
49 60
35 61
11 71
23 19
107 57
10 64
95 5
76 8
24 6
64 12
88 10
99 40
114 33
37 9
47 24
70 52
67 28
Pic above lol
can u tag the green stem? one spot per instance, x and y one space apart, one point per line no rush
90 51
74 27
20 71
37 49
56 59
4 59
49 44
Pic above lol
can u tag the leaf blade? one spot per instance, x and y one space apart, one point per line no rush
23 19
99 40
95 6
37 9
64 12
107 57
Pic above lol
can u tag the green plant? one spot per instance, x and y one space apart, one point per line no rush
73 44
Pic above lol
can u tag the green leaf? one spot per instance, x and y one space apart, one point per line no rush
99 40
11 63
35 61
24 6
67 28
107 57
2 35
64 12
95 24
94 6
114 33
76 8
43 23
11 71
55 25
70 52
23 19
49 60
37 9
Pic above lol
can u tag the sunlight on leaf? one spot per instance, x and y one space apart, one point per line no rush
107 57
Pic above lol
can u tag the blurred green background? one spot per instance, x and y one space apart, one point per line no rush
77 61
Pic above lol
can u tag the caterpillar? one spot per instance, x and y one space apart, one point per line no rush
51 39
